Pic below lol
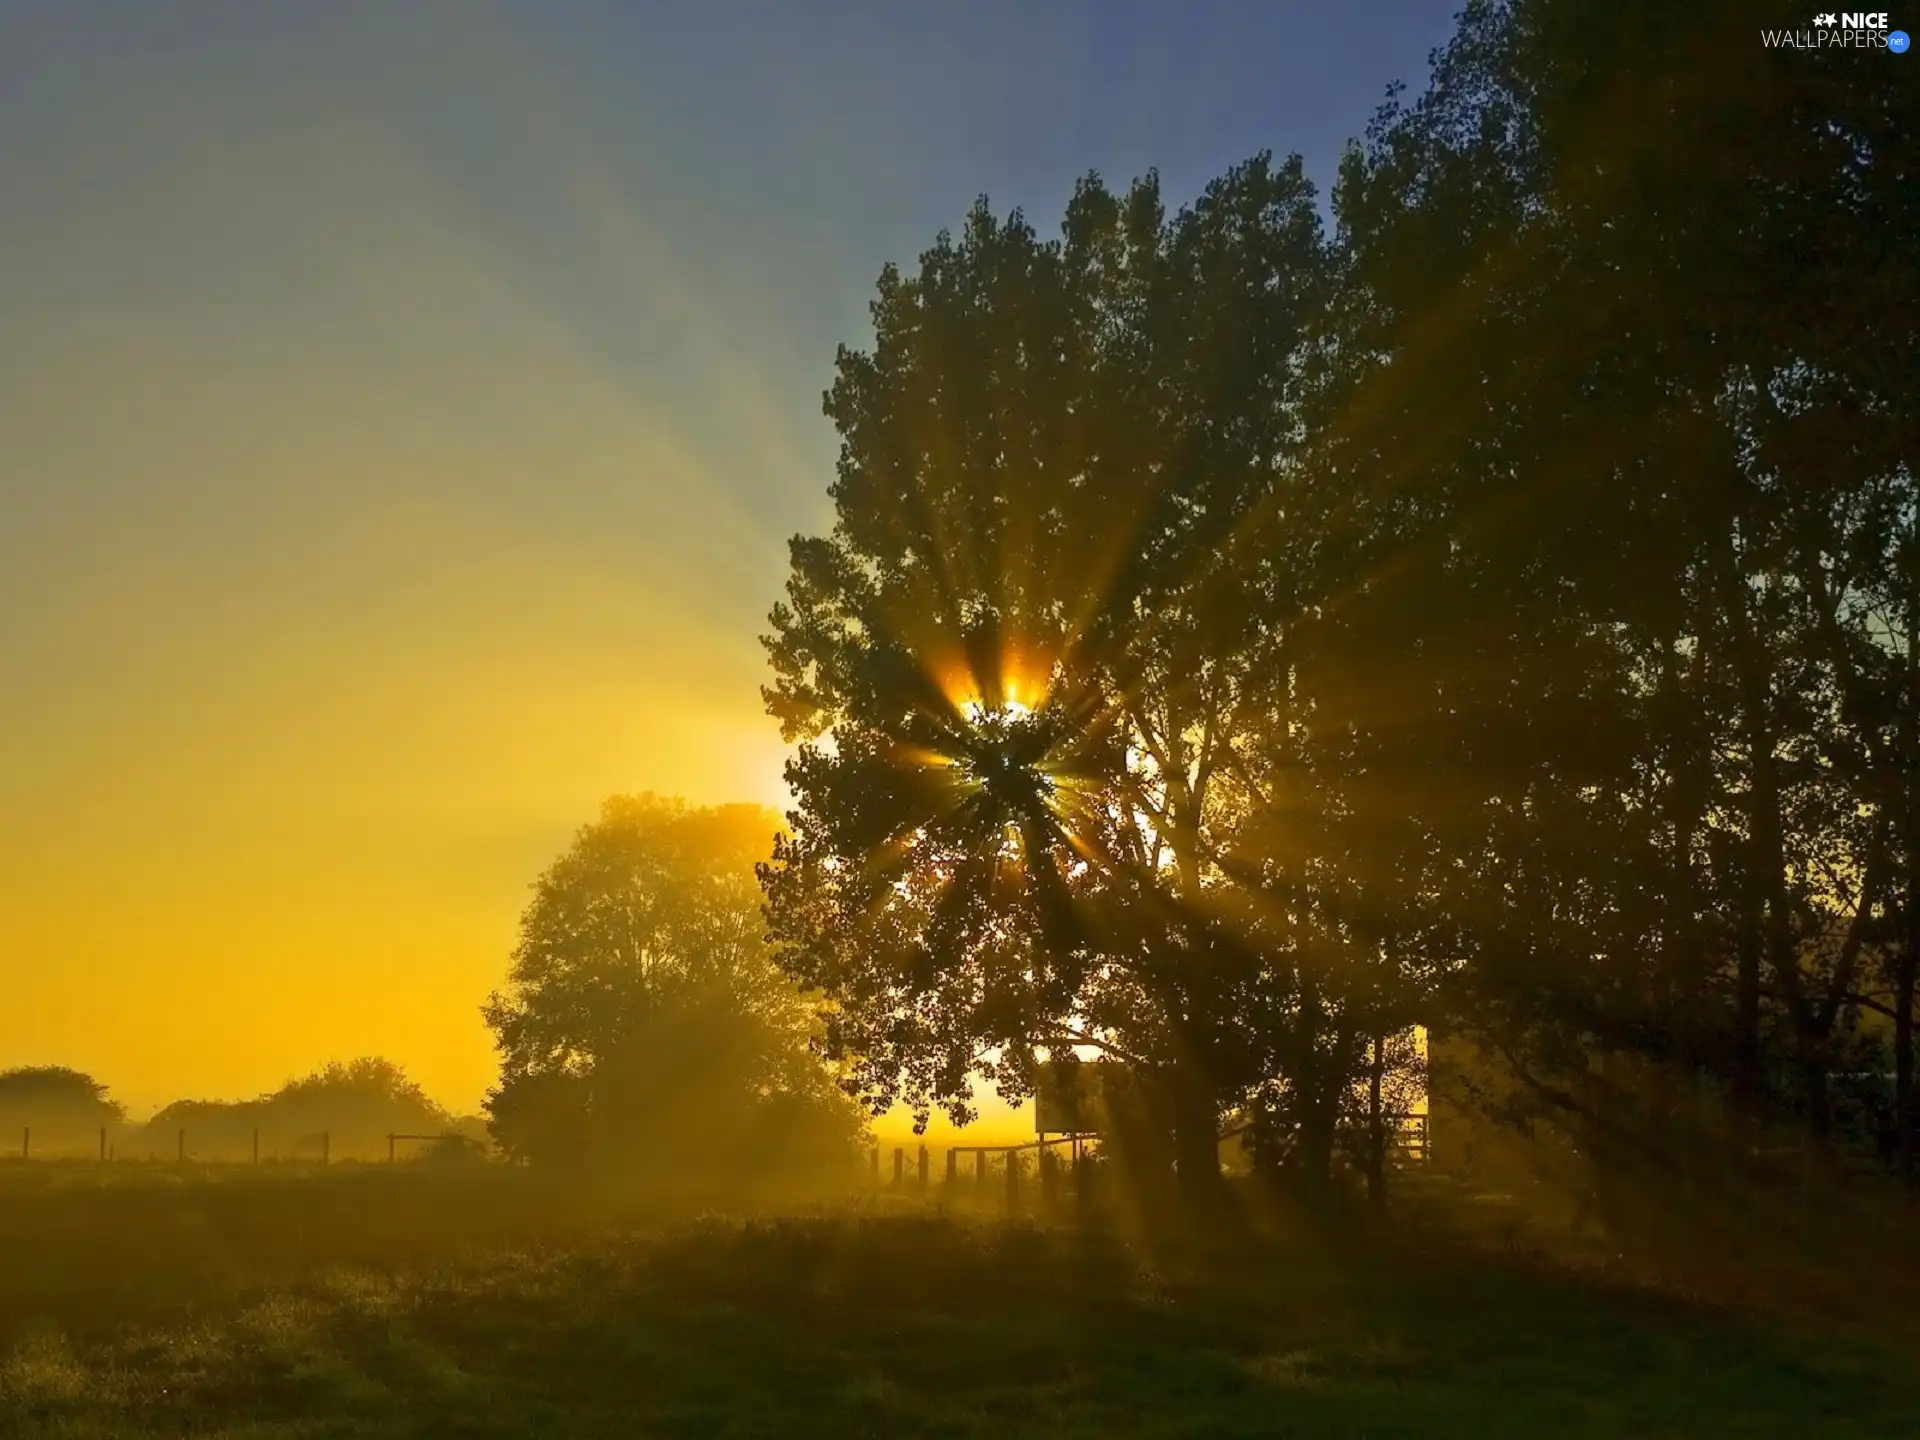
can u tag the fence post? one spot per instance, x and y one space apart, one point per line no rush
1048 1178
180 1148
256 1144
389 1149
980 1168
26 1142
103 1142
953 1166
923 1165
899 1165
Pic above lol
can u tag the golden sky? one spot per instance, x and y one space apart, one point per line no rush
343 571
403 412
274 795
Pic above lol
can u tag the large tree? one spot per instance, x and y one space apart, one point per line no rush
643 1022
1028 663
1235 646
1614 474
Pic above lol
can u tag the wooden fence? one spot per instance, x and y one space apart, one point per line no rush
1064 1159
319 1140
314 1147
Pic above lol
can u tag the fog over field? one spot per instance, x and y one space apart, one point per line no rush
795 717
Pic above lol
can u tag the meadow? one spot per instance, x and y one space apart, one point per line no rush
388 1301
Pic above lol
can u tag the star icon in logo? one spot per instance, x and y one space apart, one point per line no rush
1824 21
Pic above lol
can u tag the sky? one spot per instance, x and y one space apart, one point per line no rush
403 413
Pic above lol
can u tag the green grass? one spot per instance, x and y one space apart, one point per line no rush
402 1303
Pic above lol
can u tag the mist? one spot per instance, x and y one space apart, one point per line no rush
793 718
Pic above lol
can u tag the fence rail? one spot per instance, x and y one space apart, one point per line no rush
314 1147
321 1140
1066 1157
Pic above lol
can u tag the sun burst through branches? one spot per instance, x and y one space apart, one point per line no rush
1003 757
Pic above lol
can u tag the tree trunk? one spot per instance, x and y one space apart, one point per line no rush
1196 1143
1319 1114
1762 920
1599 1151
1903 1094
1746 1024
1686 804
1376 1126
1909 963
1907 968
1814 1077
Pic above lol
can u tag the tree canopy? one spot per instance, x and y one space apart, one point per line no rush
1241 641
1031 644
356 1104
61 1104
643 1022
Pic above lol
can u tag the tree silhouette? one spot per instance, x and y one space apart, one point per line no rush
64 1108
355 1103
1617 457
642 1021
1024 657
1237 645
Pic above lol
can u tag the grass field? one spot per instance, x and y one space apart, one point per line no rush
399 1302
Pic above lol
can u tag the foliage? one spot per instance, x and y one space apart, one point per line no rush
1028 656
1237 645
1615 446
355 1104
643 1023
62 1107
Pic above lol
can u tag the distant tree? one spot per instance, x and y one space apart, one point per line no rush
356 1103
370 1078
63 1107
643 1023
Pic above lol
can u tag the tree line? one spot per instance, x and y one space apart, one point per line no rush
355 1103
1246 636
